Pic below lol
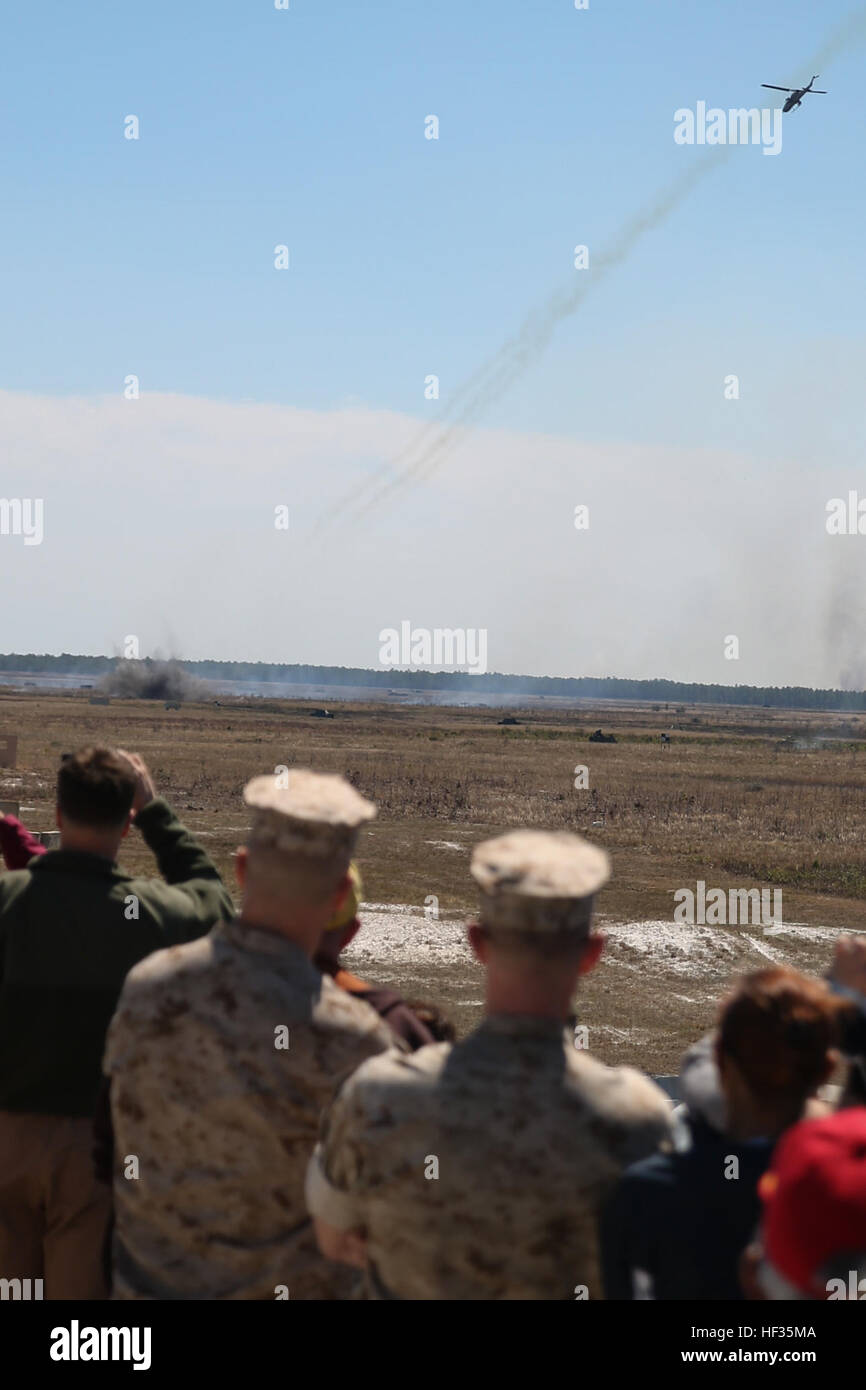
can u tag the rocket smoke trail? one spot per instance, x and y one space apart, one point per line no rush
491 380
497 375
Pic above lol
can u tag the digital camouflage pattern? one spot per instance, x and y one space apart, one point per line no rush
222 1116
539 881
315 813
527 1135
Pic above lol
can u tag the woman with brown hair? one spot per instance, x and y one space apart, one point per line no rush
677 1222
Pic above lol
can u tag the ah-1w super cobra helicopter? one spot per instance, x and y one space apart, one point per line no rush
797 93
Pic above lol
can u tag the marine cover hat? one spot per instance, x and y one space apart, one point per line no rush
536 880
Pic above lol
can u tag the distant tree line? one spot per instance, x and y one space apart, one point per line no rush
585 687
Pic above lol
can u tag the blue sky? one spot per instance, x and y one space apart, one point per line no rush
412 256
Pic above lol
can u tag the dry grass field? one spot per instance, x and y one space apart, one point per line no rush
742 798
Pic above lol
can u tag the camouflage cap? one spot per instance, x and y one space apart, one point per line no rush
536 880
305 812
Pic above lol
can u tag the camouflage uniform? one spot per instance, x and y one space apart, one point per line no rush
221 1120
529 1134
477 1171
221 1056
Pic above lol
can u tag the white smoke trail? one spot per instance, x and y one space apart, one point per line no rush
495 378
489 382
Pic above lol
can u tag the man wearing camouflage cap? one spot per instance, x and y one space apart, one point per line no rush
222 1055
477 1171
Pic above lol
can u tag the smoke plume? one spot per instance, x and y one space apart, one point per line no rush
153 680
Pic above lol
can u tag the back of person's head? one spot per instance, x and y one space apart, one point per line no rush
779 1029
95 788
302 880
537 891
552 950
295 866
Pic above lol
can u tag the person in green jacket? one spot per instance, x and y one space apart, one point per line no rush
72 924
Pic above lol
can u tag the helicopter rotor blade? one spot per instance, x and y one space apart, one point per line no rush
774 88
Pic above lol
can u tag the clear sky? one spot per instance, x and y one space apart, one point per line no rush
410 257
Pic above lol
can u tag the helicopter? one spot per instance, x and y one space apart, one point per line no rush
797 93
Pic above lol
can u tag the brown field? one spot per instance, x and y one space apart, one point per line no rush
742 798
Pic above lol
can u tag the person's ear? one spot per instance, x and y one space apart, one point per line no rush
591 953
241 857
479 942
127 823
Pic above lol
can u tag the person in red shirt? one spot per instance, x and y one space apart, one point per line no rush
17 845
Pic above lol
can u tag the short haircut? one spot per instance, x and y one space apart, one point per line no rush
306 880
95 787
564 947
778 1027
